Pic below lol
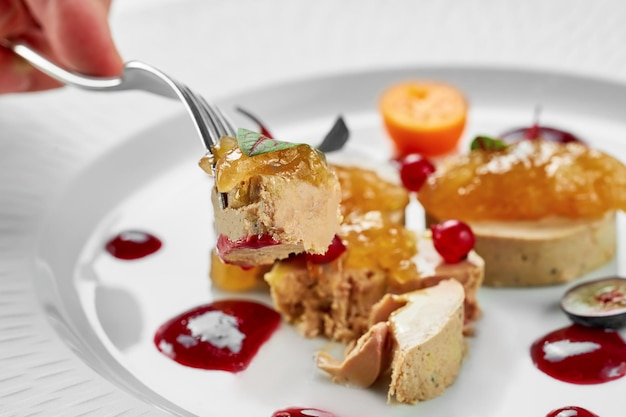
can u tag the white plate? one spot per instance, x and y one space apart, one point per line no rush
107 311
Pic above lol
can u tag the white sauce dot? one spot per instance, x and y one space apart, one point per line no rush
132 236
186 340
166 348
217 328
314 413
557 351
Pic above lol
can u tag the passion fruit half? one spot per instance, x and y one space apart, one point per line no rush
598 303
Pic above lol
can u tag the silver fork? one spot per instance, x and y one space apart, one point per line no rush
209 121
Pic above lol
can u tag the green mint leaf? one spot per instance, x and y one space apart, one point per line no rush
486 143
254 143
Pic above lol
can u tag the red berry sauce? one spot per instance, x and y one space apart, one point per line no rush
224 245
133 244
581 355
335 249
302 412
180 339
571 411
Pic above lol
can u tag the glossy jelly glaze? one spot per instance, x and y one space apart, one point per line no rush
234 167
569 180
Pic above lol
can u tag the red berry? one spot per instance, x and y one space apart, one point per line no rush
414 170
335 249
453 240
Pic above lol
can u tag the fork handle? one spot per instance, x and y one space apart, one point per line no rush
67 77
133 78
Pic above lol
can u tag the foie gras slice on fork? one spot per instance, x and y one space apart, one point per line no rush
271 199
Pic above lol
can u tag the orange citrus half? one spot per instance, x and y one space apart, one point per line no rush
424 117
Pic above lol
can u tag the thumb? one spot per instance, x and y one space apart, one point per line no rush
78 34
15 74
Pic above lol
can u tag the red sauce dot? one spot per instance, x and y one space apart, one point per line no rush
302 412
581 355
571 411
133 244
253 324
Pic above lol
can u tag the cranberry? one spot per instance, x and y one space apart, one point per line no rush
335 249
414 170
453 240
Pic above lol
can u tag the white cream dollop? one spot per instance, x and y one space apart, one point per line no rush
567 413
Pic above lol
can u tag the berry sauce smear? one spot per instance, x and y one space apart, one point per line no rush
581 355
224 335
133 244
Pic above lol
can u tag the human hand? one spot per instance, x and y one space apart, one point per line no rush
73 33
